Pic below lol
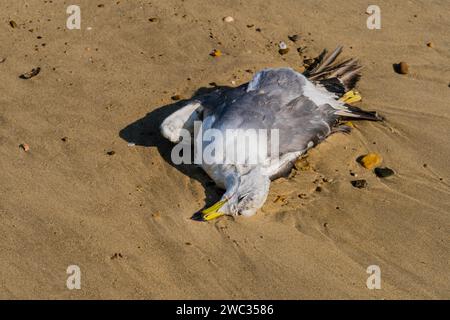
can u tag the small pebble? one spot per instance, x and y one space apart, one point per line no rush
228 19
349 124
64 139
111 153
154 19
384 172
28 75
131 144
156 215
402 68
301 69
283 48
371 160
25 147
13 24
216 53
176 97
359 183
430 44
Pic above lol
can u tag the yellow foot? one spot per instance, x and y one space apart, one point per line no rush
210 213
351 97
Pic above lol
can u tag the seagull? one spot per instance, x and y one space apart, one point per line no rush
304 109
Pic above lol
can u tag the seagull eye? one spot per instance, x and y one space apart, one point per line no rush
242 197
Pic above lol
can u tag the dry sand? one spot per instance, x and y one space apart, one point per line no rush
124 219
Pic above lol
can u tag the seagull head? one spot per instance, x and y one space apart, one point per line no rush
245 194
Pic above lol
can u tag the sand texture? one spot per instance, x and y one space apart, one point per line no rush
124 218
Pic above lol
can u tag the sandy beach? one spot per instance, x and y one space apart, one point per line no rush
83 195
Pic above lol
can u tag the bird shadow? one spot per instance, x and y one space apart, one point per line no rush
145 132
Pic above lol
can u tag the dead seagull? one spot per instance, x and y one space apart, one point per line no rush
304 109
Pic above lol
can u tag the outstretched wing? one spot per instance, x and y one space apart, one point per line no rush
275 100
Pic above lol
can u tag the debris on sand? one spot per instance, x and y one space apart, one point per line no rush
116 255
176 97
283 48
370 160
294 37
13 24
302 164
280 199
28 75
349 124
228 19
25 147
301 50
384 172
2 60
111 153
64 139
156 215
216 53
401 68
360 184
430 44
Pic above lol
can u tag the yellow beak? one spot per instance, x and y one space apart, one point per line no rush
210 213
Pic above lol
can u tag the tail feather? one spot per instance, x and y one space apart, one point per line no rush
339 78
323 71
354 112
329 60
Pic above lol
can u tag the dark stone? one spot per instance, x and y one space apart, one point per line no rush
359 183
384 172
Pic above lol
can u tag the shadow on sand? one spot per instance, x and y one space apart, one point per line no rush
145 132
